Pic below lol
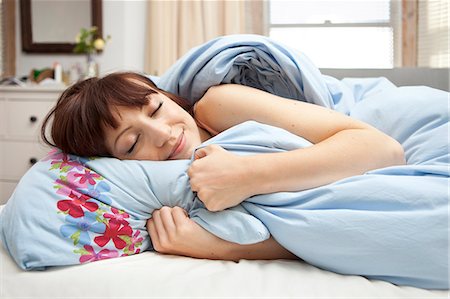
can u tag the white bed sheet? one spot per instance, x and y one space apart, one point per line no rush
153 275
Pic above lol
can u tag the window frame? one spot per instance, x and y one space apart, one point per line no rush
395 22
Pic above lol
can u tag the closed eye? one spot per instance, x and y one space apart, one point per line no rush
134 145
157 109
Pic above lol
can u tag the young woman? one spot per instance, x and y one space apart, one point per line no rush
125 115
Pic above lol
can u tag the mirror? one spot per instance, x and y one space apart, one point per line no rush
50 26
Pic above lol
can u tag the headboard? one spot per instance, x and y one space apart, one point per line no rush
433 77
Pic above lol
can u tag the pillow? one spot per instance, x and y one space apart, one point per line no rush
68 210
62 213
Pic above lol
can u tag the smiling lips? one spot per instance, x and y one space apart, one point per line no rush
179 146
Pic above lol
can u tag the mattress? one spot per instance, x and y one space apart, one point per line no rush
154 275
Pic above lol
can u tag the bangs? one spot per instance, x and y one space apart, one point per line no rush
129 90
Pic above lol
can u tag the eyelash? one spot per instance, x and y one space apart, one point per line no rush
157 109
137 139
134 145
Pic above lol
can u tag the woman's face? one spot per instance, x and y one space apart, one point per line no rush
160 130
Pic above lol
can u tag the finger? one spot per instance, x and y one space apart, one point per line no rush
183 210
151 229
194 186
167 219
159 226
200 153
214 148
179 216
205 151
192 178
153 234
190 171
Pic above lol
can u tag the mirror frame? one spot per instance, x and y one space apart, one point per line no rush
28 45
8 41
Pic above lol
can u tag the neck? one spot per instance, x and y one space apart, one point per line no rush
204 135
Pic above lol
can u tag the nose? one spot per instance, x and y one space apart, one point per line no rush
160 133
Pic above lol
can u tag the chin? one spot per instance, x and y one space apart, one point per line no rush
188 153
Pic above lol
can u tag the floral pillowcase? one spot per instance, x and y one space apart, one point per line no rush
63 213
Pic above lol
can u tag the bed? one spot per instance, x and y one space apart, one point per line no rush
153 275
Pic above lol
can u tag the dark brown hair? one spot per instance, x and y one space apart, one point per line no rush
84 109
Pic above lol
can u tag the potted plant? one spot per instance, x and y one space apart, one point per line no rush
89 42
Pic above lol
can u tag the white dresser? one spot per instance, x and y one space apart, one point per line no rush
22 110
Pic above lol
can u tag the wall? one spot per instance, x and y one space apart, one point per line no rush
124 20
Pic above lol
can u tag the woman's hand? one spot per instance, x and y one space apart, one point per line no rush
173 232
220 178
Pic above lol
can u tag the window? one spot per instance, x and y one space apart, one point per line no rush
433 34
338 34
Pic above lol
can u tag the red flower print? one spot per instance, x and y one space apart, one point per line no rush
135 240
131 253
54 154
114 231
66 162
70 183
74 205
87 176
117 216
92 256
65 188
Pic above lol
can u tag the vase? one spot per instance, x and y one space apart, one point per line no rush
92 69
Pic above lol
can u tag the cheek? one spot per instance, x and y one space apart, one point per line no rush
147 154
188 119
108 139
125 143
122 146
147 151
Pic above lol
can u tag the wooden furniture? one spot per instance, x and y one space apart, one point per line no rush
22 110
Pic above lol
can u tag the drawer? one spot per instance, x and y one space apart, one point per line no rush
16 157
6 190
24 118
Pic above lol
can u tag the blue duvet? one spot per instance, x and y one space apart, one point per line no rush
386 219
389 224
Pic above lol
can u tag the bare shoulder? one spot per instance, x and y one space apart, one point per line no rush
217 90
225 95
226 105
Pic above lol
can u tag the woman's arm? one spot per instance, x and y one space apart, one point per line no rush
173 232
343 147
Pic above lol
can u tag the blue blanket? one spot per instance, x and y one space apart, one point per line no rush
389 224
263 63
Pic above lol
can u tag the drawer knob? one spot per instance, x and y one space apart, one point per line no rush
33 119
33 161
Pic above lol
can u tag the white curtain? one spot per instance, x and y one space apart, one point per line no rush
175 26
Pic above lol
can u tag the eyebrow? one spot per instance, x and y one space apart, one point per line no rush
126 129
